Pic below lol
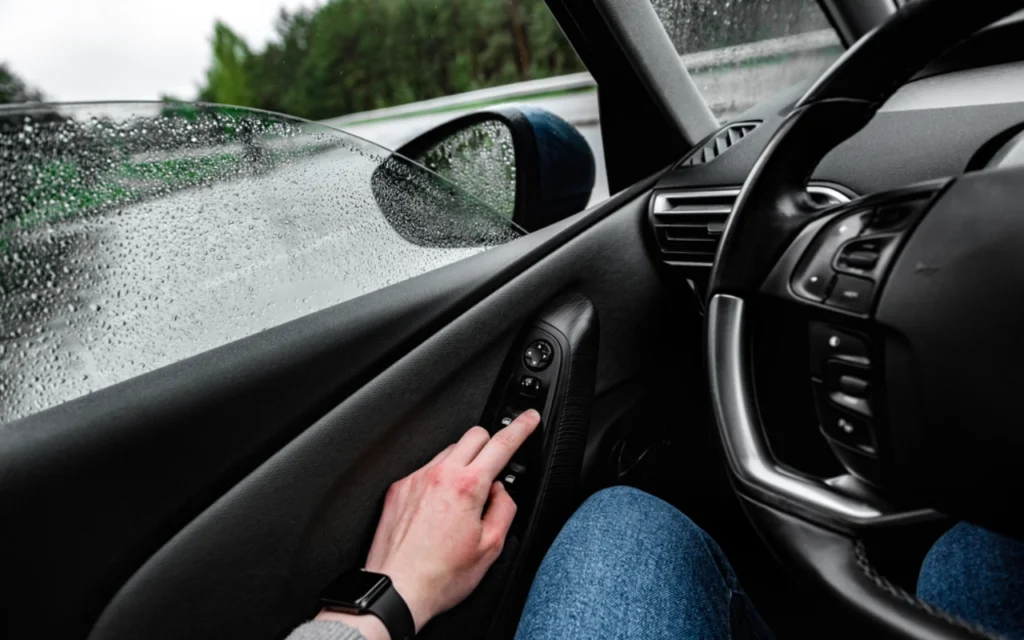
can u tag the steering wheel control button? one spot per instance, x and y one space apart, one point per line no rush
864 260
853 386
814 276
852 294
845 427
814 284
865 256
843 229
853 403
829 343
848 386
529 386
538 355
850 430
873 245
893 217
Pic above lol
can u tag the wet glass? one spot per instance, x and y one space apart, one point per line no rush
135 235
740 52
482 160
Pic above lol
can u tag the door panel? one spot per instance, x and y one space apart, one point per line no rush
260 555
100 484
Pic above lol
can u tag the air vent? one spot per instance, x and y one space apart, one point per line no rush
689 224
717 145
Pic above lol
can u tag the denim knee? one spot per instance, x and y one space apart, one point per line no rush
630 565
605 524
977 575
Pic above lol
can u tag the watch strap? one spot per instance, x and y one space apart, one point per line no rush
391 609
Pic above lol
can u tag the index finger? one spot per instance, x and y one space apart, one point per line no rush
500 448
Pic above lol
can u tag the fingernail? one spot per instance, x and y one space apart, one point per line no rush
536 414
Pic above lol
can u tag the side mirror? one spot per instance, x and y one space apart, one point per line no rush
526 163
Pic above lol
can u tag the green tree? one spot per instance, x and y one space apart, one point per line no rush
355 55
227 79
13 89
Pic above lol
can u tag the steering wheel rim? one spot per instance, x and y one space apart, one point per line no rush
773 227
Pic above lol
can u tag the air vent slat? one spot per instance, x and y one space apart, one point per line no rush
719 144
701 232
671 219
689 209
689 224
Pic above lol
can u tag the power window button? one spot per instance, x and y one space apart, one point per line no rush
513 477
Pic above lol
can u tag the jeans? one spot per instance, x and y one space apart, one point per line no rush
977 575
628 565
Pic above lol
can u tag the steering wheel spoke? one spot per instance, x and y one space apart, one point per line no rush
845 503
837 269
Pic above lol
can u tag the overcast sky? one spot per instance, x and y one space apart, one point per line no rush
124 49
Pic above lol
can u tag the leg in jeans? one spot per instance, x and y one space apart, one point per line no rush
979 576
628 565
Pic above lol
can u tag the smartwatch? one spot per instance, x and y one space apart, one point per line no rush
360 592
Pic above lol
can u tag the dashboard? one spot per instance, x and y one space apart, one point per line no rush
929 129
944 123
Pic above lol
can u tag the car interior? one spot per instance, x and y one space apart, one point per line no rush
800 328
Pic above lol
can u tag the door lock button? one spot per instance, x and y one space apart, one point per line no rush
529 386
538 355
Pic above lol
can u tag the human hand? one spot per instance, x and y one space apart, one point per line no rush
435 539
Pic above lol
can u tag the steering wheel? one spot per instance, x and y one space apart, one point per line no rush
917 347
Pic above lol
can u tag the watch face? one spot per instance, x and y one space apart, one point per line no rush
355 590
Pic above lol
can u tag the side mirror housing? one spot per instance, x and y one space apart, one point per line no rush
525 162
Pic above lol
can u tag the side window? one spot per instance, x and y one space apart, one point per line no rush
133 236
741 52
390 70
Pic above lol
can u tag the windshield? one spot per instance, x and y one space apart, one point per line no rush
741 52
134 235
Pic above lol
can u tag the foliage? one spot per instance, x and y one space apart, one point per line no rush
13 89
356 55
226 80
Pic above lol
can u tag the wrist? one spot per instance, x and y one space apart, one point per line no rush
369 625
414 598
